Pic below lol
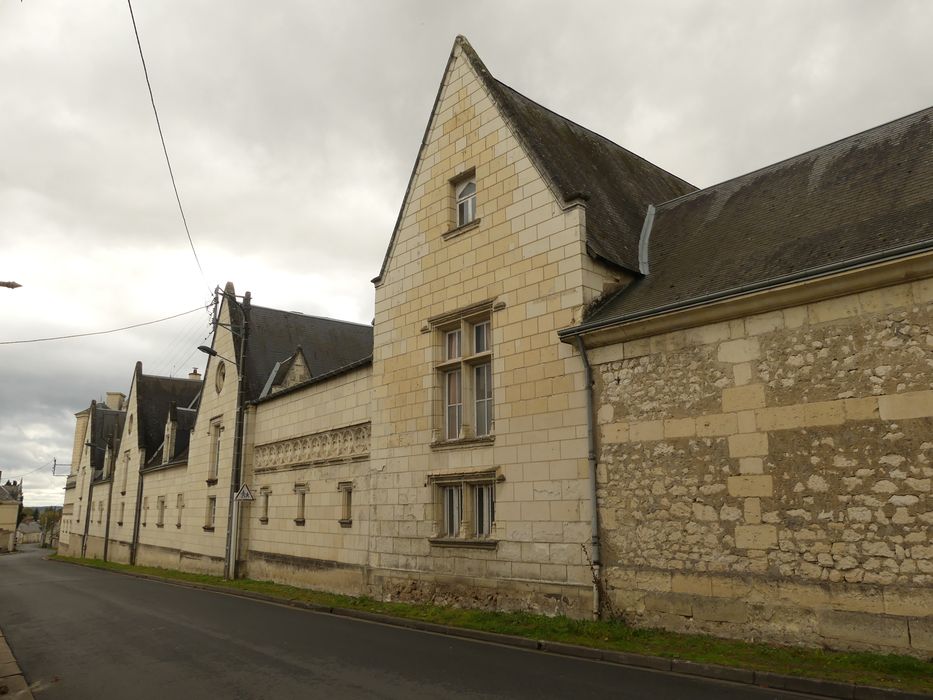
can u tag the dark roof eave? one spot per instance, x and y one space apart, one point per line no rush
804 275
314 380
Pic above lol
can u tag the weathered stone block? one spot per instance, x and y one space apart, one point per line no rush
909 602
742 398
653 581
691 583
719 609
834 309
753 511
780 417
864 628
679 428
755 536
914 404
646 431
671 603
764 323
823 413
751 486
615 432
741 350
751 465
861 409
921 633
748 445
717 424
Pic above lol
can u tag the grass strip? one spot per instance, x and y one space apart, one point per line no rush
863 668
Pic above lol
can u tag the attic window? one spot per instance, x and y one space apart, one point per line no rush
466 201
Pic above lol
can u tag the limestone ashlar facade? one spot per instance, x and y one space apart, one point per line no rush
765 403
474 295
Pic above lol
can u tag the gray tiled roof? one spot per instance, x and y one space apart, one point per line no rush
155 396
865 195
327 344
616 184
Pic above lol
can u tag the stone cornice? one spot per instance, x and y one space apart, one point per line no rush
329 446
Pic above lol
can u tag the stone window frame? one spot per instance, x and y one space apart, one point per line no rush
145 518
301 490
215 431
210 514
122 513
179 506
465 485
264 493
464 323
126 472
457 224
160 508
346 503
100 511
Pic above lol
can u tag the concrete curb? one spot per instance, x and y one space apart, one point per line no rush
763 679
12 681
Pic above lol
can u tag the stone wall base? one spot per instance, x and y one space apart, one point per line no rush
509 595
303 572
826 615
169 558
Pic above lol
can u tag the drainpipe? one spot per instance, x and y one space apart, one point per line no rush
87 512
591 457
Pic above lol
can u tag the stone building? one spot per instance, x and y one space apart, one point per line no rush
589 388
11 500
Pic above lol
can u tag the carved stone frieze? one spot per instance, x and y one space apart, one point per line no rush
351 442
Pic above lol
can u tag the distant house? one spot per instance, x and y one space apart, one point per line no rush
589 387
29 532
10 503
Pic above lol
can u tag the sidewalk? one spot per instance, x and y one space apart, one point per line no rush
12 683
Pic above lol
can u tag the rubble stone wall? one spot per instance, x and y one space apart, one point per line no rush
770 477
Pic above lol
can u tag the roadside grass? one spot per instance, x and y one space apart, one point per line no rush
886 670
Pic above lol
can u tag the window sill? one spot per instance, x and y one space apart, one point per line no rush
123 493
299 521
454 232
463 442
463 544
178 525
264 521
348 522
212 482
208 528
159 525
120 524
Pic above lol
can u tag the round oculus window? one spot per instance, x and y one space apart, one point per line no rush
219 375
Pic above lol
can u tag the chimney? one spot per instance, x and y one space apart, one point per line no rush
194 374
115 400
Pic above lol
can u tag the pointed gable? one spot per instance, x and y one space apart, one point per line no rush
615 184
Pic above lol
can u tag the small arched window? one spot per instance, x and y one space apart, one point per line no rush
466 202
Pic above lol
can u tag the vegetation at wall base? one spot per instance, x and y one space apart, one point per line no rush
885 670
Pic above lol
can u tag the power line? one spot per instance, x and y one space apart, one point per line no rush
164 149
47 464
113 330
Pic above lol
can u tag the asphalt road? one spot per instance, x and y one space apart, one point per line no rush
81 633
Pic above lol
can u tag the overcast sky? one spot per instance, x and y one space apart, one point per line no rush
293 126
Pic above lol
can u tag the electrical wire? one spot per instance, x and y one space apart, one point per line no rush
47 464
168 162
113 330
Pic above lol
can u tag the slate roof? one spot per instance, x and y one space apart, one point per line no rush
9 492
862 197
104 424
616 185
327 344
154 397
185 418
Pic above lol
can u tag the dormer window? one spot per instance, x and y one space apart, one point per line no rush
466 201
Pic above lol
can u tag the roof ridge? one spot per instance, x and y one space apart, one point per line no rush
301 314
794 157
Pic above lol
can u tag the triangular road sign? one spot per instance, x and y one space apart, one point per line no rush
244 494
